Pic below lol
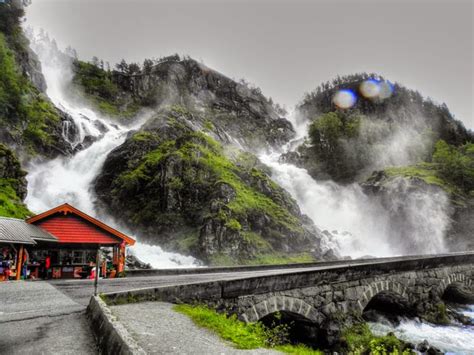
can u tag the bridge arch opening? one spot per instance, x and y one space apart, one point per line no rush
390 306
295 329
458 292
302 320
457 288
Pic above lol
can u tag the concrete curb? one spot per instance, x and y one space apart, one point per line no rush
112 336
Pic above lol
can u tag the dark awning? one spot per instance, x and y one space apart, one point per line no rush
17 231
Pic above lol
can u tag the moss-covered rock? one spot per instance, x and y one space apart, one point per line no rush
347 145
12 185
182 189
30 122
233 110
358 339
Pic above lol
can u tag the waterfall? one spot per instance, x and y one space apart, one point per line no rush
355 224
69 179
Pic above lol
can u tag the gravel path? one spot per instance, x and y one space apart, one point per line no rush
160 330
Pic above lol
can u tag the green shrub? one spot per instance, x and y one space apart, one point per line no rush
360 340
456 164
243 335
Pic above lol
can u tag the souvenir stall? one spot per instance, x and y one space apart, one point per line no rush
61 243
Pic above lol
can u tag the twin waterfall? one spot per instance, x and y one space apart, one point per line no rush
351 223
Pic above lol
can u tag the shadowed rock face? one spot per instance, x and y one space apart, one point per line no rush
457 293
179 188
390 306
10 170
238 111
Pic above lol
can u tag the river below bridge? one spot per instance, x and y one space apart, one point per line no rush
451 339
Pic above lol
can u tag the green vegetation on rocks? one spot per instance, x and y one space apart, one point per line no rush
184 190
12 186
347 145
451 168
10 204
360 340
29 120
232 110
456 164
99 86
243 335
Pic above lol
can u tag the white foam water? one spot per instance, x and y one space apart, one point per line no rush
453 339
69 179
358 224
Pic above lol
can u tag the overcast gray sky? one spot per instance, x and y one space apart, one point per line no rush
285 47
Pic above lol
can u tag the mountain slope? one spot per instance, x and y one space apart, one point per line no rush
183 190
30 122
12 185
239 112
388 126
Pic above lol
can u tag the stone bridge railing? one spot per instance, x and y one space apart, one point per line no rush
324 289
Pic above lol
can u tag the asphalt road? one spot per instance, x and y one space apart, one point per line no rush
48 317
42 317
36 318
81 290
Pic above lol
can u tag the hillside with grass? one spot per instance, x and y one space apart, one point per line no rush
31 124
185 191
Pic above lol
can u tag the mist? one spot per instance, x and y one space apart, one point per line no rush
404 219
69 178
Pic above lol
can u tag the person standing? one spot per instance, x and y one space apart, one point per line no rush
26 260
47 266
7 263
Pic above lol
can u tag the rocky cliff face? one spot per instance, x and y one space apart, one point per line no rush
185 191
239 112
390 126
31 125
12 185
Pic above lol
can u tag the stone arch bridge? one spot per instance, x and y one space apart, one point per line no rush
320 291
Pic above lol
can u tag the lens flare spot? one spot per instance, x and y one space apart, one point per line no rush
344 98
370 88
386 90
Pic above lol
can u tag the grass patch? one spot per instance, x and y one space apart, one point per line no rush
10 204
261 259
275 259
427 172
242 335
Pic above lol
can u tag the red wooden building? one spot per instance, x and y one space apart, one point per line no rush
78 238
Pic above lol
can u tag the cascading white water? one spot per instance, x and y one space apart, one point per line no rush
347 208
453 339
69 179
345 212
358 224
